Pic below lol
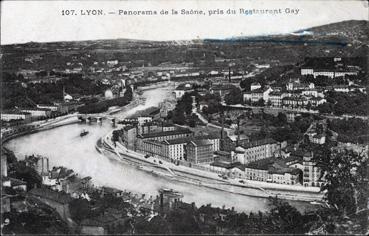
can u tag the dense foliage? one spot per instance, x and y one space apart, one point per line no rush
351 130
20 94
342 103
102 106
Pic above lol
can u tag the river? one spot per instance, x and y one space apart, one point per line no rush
65 147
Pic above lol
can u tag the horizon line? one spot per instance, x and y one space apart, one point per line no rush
235 38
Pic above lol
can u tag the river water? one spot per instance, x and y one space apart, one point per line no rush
65 147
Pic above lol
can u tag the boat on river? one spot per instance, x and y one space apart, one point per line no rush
83 133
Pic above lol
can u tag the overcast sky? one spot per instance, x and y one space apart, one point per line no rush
42 21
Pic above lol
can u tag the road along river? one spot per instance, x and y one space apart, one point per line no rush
65 147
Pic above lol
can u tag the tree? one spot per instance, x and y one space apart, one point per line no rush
286 219
79 209
234 96
346 183
115 136
325 108
260 103
308 106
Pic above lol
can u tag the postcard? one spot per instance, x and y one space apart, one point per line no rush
184 117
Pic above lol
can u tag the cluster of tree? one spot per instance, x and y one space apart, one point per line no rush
21 94
346 185
342 103
234 96
213 104
102 106
352 130
182 113
293 131
40 221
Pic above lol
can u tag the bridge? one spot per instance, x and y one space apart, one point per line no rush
96 118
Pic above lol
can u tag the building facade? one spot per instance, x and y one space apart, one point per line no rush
199 151
258 150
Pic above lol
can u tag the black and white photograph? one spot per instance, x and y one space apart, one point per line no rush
158 117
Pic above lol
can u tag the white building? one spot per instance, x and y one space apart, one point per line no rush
255 86
312 173
182 89
15 115
37 112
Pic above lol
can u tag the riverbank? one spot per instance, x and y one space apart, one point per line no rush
37 127
210 179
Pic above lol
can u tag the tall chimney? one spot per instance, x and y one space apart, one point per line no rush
229 74
42 165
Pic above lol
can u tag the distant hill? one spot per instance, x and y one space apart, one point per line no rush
353 31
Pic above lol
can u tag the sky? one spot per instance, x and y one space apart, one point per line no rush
42 21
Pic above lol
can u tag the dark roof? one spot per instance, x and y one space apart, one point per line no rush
126 128
200 142
14 112
258 143
272 165
263 164
34 109
184 87
293 158
176 141
166 133
208 136
227 165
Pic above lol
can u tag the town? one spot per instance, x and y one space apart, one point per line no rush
237 119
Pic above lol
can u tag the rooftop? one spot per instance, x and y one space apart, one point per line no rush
184 87
258 143
200 142
166 133
223 164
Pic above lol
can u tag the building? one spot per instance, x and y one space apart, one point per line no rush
182 89
168 199
257 150
316 101
166 135
213 139
295 102
199 151
151 147
273 171
175 148
275 99
221 89
293 86
223 167
317 132
247 97
15 115
4 165
261 93
255 86
230 142
144 119
129 137
37 112
313 175
331 73
50 107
